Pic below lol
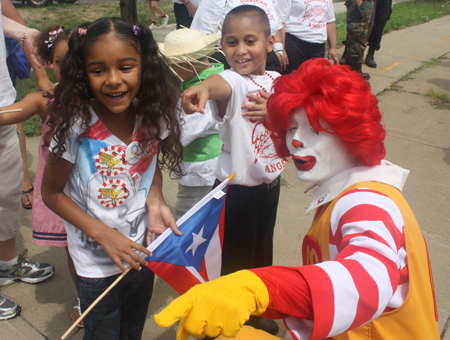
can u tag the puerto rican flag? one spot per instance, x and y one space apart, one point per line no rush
196 256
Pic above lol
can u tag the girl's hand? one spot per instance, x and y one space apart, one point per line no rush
194 99
119 247
258 110
160 218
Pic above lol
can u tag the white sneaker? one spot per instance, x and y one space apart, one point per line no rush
153 26
165 21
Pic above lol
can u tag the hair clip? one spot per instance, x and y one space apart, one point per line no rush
53 35
82 32
136 30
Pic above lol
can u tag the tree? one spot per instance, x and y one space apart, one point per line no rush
128 11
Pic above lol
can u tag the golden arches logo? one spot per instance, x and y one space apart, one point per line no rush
311 256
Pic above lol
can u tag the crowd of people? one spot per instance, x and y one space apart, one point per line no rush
125 108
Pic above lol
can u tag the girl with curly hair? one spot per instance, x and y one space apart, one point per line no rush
114 127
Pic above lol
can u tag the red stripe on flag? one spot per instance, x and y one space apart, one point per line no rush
178 277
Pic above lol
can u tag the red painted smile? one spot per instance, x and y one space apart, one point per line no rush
304 163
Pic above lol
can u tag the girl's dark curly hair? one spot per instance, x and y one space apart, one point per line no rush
157 97
46 43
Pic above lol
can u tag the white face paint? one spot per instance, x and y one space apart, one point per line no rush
317 155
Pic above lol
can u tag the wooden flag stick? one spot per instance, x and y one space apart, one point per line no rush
15 110
94 303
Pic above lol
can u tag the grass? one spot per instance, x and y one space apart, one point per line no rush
404 14
72 15
439 99
438 95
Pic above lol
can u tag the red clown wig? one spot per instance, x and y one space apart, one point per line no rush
332 94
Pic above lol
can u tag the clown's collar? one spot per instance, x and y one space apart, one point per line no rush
386 173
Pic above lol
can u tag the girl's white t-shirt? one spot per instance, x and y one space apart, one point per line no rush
248 149
108 187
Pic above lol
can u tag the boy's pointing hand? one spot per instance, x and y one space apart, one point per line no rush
194 99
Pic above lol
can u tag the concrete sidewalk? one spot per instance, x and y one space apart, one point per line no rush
417 140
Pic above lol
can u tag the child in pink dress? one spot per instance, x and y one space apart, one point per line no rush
48 228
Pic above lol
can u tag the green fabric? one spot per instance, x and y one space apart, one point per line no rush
203 149
202 75
209 147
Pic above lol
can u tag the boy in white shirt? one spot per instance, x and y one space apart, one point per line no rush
252 199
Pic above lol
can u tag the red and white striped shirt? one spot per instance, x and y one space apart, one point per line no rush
367 273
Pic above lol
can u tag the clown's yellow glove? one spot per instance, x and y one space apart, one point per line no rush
221 306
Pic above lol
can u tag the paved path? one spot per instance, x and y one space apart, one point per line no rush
417 139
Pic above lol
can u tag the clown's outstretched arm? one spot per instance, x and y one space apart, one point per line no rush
338 295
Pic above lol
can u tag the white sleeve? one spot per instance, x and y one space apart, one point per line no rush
330 14
197 125
284 7
72 143
208 16
238 92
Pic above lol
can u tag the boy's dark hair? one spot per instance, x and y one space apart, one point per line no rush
157 97
249 11
45 43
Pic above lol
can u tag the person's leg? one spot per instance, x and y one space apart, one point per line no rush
317 51
182 16
138 289
264 245
76 311
187 197
359 24
157 9
152 14
27 186
272 62
266 226
8 250
11 179
382 14
296 50
241 217
103 321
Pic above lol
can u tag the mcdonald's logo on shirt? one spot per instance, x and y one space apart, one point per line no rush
311 252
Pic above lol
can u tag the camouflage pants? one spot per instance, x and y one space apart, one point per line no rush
359 26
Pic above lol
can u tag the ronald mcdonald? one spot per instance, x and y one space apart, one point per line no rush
366 272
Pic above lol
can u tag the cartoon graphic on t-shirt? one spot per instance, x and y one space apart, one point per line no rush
111 187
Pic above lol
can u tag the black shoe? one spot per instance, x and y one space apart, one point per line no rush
266 325
366 76
358 68
369 61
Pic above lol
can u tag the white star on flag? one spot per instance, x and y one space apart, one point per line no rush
197 240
